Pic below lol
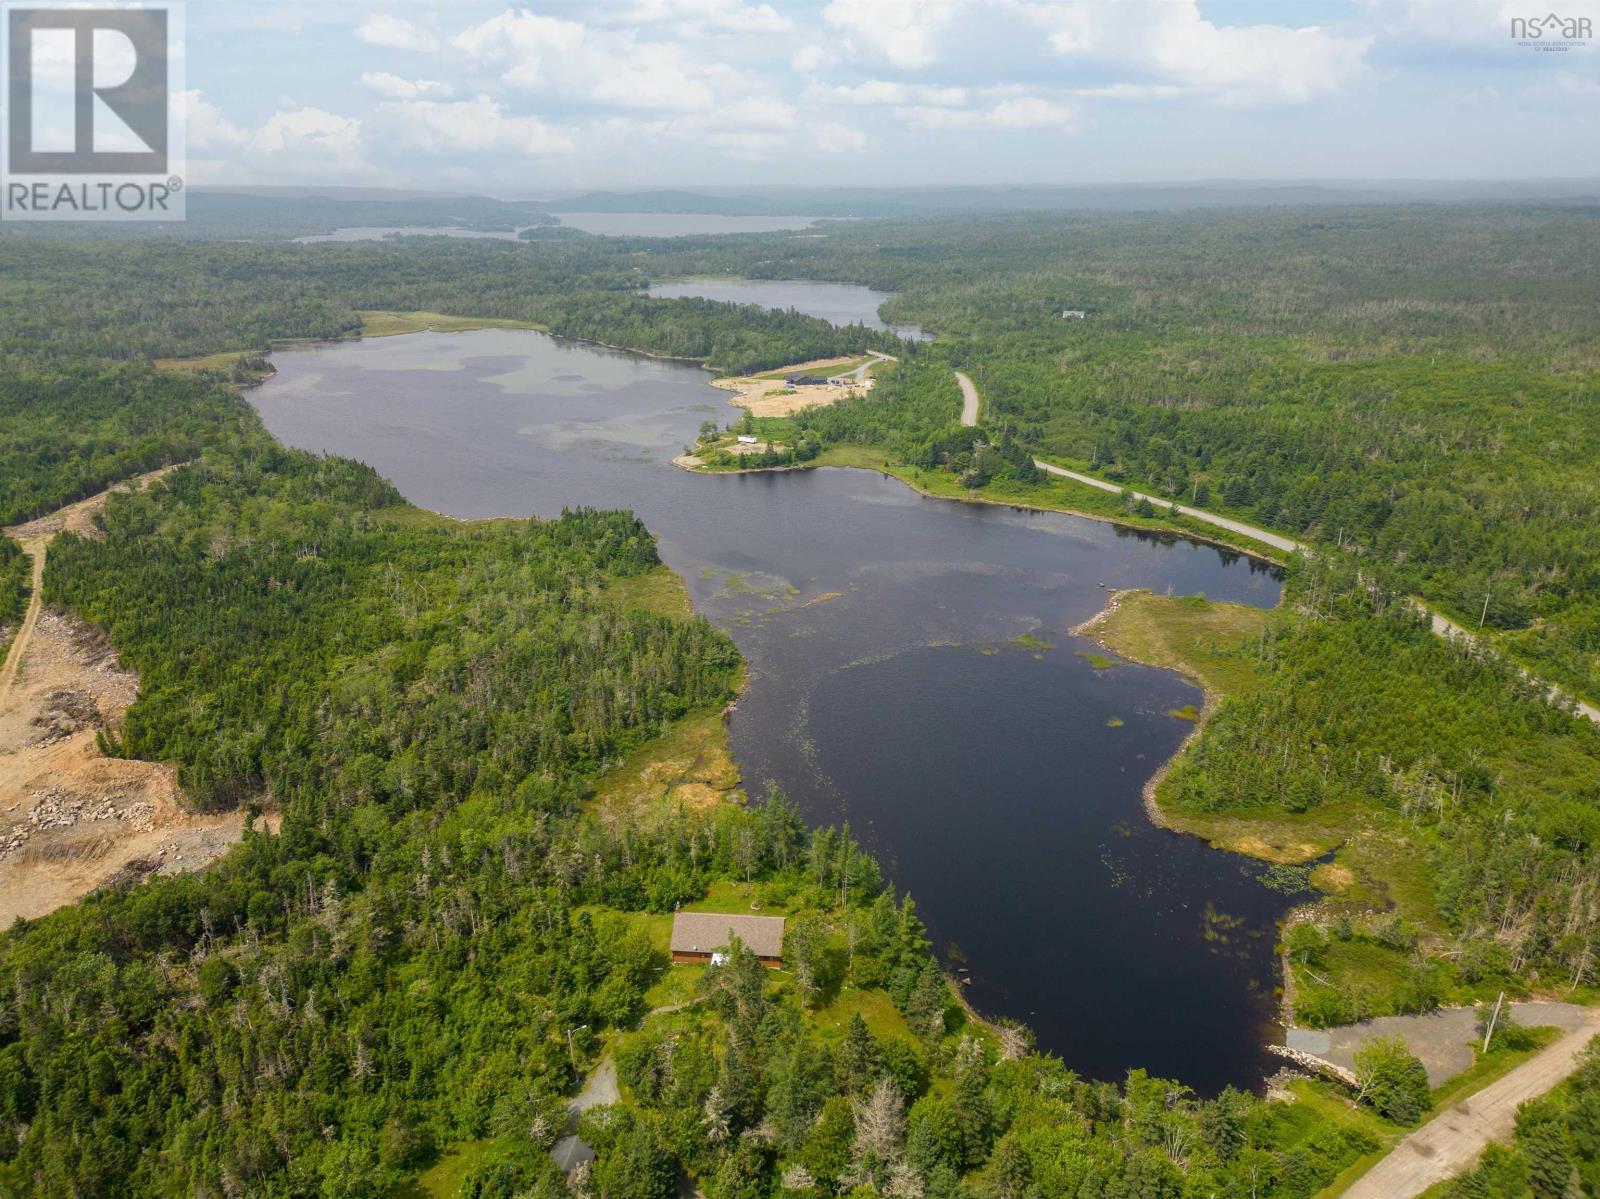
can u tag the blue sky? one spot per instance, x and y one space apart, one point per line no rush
530 99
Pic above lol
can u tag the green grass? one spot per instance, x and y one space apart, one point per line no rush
882 1018
1328 1106
207 362
380 323
688 767
730 896
1206 641
443 1179
1324 1105
1486 1068
659 591
840 368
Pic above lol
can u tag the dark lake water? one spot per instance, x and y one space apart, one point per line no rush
837 303
890 682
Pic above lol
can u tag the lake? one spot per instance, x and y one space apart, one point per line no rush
911 671
379 232
836 303
677 224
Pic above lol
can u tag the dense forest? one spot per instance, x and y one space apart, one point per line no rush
442 930
1411 384
14 575
71 431
432 949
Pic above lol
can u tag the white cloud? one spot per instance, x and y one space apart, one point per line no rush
207 128
613 68
308 133
473 126
395 33
830 137
393 87
906 33
808 58
713 16
884 91
755 112
1237 64
1129 91
1022 112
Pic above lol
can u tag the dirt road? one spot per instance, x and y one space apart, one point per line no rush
1452 1140
8 673
969 400
72 819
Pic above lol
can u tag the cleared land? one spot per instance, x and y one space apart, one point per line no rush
769 395
379 323
1452 1140
72 819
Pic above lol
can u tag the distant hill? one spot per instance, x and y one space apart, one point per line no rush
278 214
905 202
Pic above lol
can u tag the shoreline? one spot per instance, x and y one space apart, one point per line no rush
1212 700
1258 555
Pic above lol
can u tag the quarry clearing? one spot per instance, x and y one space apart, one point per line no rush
770 395
72 819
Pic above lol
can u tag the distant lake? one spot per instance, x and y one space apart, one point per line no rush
837 303
911 672
678 224
379 232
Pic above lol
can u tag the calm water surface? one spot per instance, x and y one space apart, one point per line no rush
678 224
379 232
891 682
837 303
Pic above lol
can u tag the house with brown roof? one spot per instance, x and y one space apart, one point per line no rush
702 937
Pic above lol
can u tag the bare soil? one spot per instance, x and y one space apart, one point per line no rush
72 819
772 397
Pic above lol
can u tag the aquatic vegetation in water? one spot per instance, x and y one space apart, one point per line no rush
1116 722
1187 712
1097 660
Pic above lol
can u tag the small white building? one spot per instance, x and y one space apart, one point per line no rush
747 439
1073 314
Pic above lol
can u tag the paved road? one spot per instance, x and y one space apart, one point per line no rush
1452 1140
1443 626
969 400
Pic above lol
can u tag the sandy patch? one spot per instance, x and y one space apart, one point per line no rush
71 819
773 397
1332 878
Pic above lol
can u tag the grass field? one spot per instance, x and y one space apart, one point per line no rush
209 362
658 590
1203 640
689 766
378 323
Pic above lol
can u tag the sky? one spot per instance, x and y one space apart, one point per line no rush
532 100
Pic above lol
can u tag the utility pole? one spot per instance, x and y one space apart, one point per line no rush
1492 1020
572 1052
1484 615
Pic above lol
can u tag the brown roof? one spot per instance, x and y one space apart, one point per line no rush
702 932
